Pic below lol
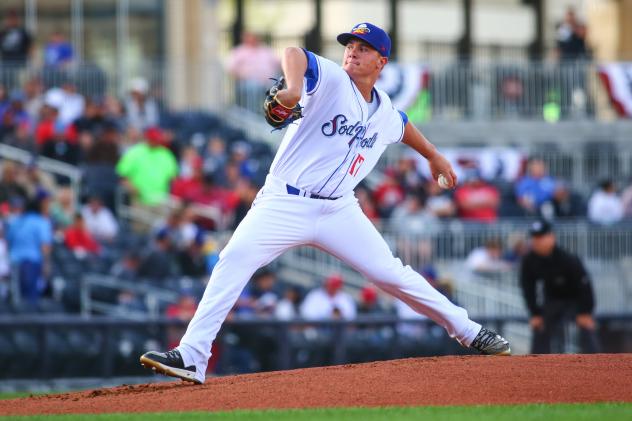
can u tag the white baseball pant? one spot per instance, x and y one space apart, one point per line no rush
278 221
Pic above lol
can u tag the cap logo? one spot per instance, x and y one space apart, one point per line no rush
361 29
537 226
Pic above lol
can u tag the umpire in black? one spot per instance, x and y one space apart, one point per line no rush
556 288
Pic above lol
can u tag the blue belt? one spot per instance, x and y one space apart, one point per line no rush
298 192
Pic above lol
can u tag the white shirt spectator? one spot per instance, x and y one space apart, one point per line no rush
285 310
319 305
483 260
69 104
100 222
605 208
141 109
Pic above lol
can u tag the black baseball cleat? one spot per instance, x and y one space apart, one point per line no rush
170 364
489 342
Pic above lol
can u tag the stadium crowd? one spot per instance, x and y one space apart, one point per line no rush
193 161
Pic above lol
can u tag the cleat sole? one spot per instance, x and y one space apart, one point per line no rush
168 371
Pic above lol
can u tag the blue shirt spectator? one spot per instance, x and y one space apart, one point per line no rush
535 188
29 236
58 51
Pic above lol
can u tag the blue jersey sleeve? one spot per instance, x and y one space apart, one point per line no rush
404 117
312 74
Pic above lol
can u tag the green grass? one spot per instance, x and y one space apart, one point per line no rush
15 395
558 412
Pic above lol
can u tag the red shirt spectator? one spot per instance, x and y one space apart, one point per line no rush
78 239
477 200
389 193
48 130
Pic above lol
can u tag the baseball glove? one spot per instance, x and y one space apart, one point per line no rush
278 115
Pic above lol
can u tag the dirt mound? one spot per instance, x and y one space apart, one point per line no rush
409 382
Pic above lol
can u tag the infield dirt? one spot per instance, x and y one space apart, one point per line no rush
410 382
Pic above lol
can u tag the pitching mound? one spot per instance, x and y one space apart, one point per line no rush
410 382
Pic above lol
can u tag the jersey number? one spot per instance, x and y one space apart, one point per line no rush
357 163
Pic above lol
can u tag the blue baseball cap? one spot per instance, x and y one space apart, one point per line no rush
375 36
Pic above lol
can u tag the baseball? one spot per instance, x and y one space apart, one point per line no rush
443 182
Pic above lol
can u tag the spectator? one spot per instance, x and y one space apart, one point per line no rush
517 248
15 48
438 201
58 51
180 228
388 194
128 303
148 168
605 207
566 204
93 120
477 200
5 267
215 196
99 170
240 156
183 310
78 239
488 260
288 306
29 237
369 302
536 188
141 109
409 178
37 182
127 268
329 302
99 220
626 199
69 103
13 116
571 37
252 64
363 194
62 209
160 263
34 98
263 293
567 292
53 139
215 157
10 187
412 217
192 259
246 192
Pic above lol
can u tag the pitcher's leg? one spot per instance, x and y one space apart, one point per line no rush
349 235
262 236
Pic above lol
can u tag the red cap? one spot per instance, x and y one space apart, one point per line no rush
368 294
156 135
334 281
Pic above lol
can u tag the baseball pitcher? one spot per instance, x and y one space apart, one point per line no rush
341 126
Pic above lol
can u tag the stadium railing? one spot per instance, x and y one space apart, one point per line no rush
40 347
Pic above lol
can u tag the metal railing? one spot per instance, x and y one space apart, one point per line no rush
49 165
154 297
456 90
57 346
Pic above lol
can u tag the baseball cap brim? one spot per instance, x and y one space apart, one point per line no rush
345 37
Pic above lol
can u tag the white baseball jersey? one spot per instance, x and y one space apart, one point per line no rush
330 152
